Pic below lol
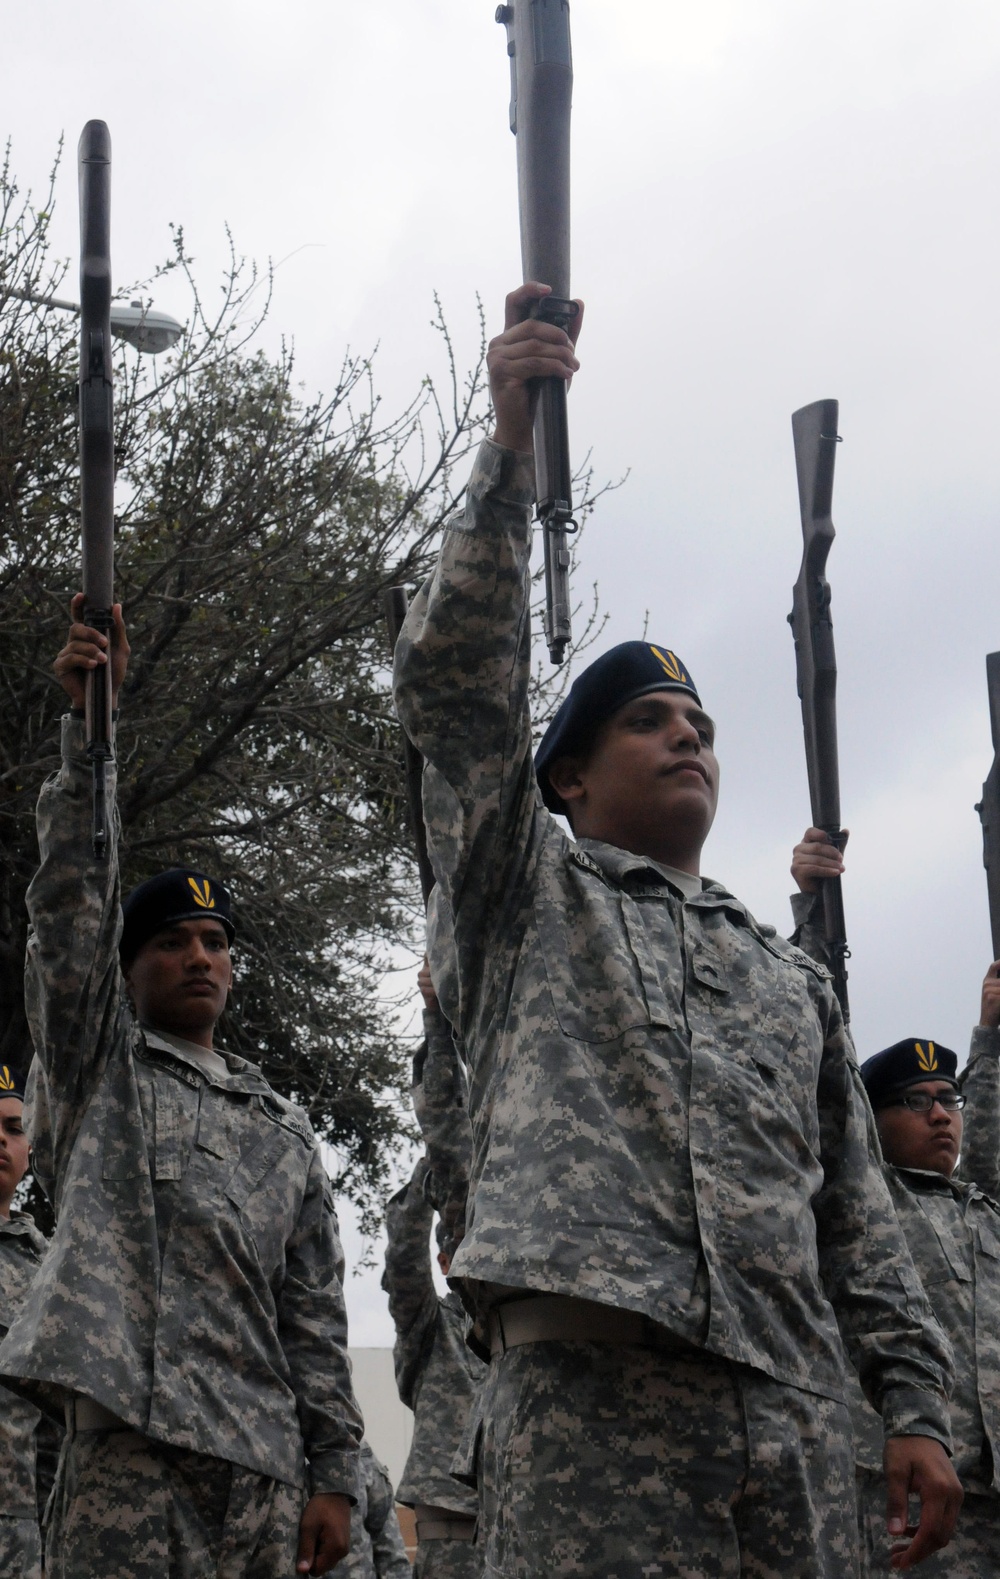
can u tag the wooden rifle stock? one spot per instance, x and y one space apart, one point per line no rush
395 603
541 78
97 447
989 807
814 430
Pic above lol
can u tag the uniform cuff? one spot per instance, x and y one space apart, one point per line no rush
505 474
335 1475
916 1411
803 906
985 1043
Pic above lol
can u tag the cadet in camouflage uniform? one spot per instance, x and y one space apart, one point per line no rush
21 1250
377 1547
437 1375
189 1312
674 1200
947 1207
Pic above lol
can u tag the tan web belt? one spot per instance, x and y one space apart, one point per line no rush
558 1318
440 1524
86 1414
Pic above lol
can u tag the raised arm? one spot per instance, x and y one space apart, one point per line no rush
980 1163
407 1279
441 1103
814 858
72 978
463 660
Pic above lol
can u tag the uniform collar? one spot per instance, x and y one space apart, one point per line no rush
238 1073
20 1225
928 1179
623 868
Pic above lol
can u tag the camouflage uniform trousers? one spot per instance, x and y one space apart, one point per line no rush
972 1553
449 1560
124 1507
20 1548
612 1462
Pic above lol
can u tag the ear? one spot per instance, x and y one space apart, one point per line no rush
565 778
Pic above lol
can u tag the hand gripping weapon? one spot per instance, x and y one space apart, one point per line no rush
394 601
814 430
541 90
97 450
989 806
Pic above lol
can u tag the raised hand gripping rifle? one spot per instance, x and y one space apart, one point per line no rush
541 92
814 430
97 448
989 806
395 603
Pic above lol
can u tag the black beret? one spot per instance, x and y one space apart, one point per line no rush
11 1083
907 1063
631 669
181 894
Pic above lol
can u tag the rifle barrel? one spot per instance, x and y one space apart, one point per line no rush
814 431
97 450
989 806
541 66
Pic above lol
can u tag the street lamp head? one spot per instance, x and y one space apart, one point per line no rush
144 328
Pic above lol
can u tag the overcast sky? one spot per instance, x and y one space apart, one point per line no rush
774 202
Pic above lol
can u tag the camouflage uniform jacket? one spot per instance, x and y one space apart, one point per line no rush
437 1375
21 1250
193 1283
377 1549
666 1110
953 1229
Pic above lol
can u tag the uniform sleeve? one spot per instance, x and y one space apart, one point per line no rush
72 977
903 1359
810 934
407 1279
980 1162
462 670
312 1326
441 1102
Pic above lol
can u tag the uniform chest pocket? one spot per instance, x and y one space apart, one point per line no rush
602 974
266 1188
988 1239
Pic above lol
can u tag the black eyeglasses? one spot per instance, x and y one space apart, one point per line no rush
923 1101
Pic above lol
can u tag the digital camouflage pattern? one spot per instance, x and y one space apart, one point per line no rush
631 1464
128 1508
377 1547
441 1103
437 1375
666 1109
952 1227
22 1248
193 1284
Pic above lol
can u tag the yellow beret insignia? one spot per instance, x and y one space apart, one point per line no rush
202 893
927 1060
6 1082
672 665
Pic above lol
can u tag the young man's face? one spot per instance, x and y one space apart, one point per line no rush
13 1150
931 1141
181 977
650 783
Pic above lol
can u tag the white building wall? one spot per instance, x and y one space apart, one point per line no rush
388 1423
